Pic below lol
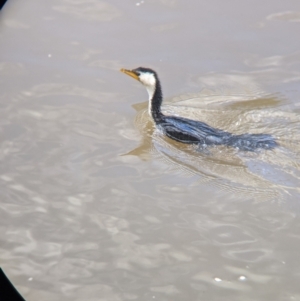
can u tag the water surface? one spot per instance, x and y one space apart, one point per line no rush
95 204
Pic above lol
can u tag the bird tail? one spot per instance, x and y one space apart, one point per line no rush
251 142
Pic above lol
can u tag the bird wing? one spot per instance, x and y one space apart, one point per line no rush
192 131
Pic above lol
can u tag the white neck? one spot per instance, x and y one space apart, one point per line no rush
151 91
149 81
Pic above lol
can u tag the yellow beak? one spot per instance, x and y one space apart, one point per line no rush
130 73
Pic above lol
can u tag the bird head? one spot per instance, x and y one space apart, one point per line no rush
146 76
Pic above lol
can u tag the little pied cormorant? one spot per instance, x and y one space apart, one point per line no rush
190 131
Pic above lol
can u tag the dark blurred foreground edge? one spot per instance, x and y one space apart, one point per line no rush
2 2
7 290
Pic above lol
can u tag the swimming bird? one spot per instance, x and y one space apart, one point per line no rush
192 131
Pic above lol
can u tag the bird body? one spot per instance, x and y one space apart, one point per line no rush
191 131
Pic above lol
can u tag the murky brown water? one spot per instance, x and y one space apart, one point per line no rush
95 205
